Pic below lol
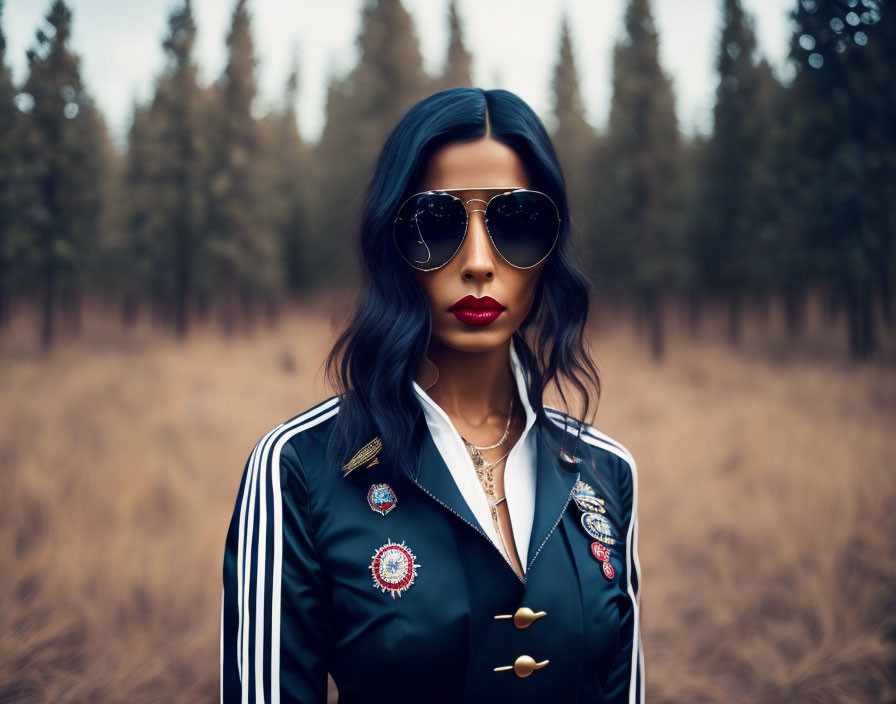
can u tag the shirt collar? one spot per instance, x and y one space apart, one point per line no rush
519 475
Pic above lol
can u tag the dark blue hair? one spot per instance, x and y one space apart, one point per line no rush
389 332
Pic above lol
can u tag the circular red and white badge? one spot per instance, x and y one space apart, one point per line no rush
600 551
609 572
394 568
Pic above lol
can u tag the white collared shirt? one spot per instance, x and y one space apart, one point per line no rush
519 468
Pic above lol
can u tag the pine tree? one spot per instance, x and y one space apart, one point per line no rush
137 252
362 108
458 61
286 186
294 185
693 156
728 255
778 262
174 170
244 251
876 86
574 139
844 76
65 156
9 164
640 215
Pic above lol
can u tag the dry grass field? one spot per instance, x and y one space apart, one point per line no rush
767 508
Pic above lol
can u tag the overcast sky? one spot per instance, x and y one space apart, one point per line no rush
513 42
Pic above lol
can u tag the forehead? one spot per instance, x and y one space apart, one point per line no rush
484 163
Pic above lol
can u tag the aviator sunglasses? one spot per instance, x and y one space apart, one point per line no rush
522 225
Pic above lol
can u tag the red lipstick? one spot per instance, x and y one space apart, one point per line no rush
476 311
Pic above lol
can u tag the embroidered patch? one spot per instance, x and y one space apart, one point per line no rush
381 498
394 568
608 570
583 489
587 499
366 454
598 527
601 552
589 504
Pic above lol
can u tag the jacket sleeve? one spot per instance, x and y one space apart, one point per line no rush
625 682
274 610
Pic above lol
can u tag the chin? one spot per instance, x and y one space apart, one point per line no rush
473 340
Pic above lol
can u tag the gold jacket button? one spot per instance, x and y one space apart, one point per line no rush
523 666
523 617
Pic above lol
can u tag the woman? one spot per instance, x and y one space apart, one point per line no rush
434 533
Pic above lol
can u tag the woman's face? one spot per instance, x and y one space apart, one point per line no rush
476 270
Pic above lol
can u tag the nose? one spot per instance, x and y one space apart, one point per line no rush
476 255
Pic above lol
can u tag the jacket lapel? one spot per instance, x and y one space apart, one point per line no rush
553 488
434 477
553 485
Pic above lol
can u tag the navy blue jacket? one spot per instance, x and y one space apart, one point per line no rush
301 596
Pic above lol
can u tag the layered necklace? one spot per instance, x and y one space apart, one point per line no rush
485 473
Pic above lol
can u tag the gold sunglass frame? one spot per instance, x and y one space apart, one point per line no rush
501 190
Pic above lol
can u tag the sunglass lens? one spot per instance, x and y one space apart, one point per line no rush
429 229
523 225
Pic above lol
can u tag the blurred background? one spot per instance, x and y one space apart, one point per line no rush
179 183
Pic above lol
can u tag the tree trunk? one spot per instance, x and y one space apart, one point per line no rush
832 304
735 305
129 310
228 304
4 296
49 292
886 291
866 316
794 310
694 313
203 306
272 312
72 310
763 310
886 254
181 291
860 307
654 318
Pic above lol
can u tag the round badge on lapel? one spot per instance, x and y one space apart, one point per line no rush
589 504
381 498
394 568
608 570
600 551
587 499
598 527
602 554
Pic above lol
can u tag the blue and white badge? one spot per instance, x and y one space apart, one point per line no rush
381 498
598 527
587 499
589 504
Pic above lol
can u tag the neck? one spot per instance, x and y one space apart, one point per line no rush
473 386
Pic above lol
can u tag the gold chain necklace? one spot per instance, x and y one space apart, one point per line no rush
485 472
474 449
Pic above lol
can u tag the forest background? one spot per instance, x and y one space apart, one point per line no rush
743 314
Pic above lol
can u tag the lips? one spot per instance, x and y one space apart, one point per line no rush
473 303
476 311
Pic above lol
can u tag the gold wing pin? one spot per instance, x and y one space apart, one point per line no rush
366 454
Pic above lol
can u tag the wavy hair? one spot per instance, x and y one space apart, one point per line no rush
374 360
